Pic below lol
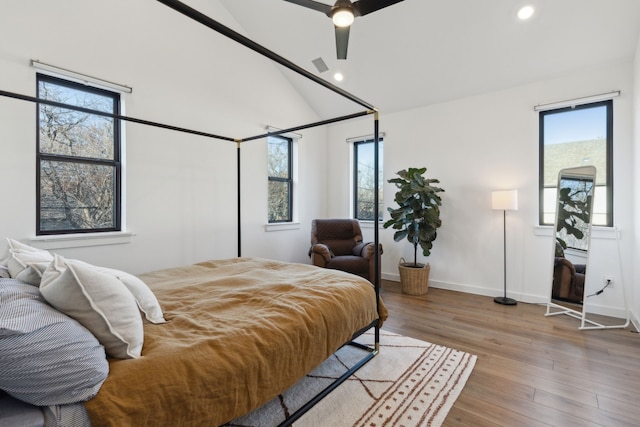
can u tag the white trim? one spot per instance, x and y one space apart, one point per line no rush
363 138
291 135
79 77
81 240
281 226
577 101
367 223
597 232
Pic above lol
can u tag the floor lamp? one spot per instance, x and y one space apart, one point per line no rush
504 200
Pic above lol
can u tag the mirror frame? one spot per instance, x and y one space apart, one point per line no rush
572 308
553 306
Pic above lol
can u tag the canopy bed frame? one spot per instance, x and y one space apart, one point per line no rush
369 109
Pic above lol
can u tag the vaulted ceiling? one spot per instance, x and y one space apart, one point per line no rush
420 52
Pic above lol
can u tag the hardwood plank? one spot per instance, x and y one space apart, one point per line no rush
587 413
532 370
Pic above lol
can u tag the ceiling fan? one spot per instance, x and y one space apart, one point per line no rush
342 13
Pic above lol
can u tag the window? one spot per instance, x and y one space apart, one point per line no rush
78 159
280 164
364 183
577 136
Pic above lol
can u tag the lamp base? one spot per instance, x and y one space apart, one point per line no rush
505 301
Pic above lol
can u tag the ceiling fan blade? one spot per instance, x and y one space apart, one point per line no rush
364 7
342 41
320 7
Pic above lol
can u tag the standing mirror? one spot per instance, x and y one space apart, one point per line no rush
572 233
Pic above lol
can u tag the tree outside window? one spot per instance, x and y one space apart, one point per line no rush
280 165
78 182
364 174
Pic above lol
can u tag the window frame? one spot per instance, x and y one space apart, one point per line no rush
114 163
608 153
287 180
357 143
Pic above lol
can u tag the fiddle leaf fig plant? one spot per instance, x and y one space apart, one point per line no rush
417 216
574 215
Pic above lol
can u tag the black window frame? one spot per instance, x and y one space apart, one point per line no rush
114 163
356 202
288 180
609 156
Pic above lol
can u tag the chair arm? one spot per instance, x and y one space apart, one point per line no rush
365 250
566 263
321 250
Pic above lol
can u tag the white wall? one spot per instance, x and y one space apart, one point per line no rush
180 189
634 293
475 145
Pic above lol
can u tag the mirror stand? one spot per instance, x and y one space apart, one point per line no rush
570 254
582 314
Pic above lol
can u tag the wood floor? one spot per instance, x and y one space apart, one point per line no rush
531 370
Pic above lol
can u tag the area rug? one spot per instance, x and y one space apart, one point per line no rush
409 383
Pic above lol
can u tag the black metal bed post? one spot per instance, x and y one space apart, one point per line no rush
111 115
238 143
376 234
309 125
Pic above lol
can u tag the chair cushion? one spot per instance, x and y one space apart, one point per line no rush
340 247
340 235
351 264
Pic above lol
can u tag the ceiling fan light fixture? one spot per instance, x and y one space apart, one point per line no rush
526 12
342 16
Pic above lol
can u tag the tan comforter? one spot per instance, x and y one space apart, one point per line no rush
240 332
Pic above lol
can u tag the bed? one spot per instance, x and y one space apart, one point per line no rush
238 332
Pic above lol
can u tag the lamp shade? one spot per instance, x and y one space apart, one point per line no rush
504 200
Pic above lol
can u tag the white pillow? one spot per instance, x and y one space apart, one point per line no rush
145 298
99 301
27 263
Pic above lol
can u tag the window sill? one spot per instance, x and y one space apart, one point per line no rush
63 241
597 232
281 226
369 224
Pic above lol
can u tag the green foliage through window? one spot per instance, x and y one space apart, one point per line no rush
573 137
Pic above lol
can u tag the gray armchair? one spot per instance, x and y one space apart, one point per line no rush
337 244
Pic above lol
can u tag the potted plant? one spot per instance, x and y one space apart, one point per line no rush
416 218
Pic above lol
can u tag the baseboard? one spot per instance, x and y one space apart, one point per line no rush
519 296
608 311
476 290
634 320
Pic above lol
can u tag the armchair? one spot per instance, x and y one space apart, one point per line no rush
568 281
337 244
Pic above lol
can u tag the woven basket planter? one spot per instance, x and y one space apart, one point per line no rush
414 280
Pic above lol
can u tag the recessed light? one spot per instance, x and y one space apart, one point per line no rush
338 77
525 12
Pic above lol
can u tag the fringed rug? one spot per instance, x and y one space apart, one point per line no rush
409 383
